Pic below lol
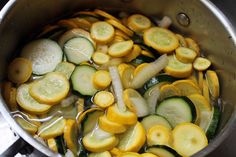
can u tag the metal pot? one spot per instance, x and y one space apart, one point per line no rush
199 19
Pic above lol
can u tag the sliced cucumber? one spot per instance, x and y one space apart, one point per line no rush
90 120
142 59
82 80
213 122
65 68
154 119
44 54
60 145
177 109
162 150
74 33
78 50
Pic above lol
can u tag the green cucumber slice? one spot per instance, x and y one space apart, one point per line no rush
177 109
78 50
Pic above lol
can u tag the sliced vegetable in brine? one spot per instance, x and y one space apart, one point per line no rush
51 89
44 54
163 40
100 85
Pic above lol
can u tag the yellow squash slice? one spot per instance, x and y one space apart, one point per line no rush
102 154
101 79
70 135
110 126
51 89
133 139
53 128
159 135
213 83
104 99
178 69
138 23
100 58
52 144
193 45
163 40
122 117
187 87
188 139
102 32
201 64
185 55
129 154
28 103
120 49
121 27
134 53
19 70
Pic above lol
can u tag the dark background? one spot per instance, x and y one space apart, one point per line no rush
228 147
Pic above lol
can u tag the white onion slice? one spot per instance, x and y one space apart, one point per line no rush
149 71
117 86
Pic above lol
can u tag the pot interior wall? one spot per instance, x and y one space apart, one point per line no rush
27 16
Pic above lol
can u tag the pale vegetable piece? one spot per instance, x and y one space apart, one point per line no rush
138 23
163 40
165 22
118 88
101 79
123 117
70 135
133 54
159 135
52 144
102 154
104 99
121 27
193 45
205 91
185 55
110 126
53 128
149 71
133 139
100 58
168 90
105 14
182 41
65 68
28 103
201 64
213 83
44 54
19 70
99 140
102 32
186 87
135 102
178 69
140 68
51 89
120 49
188 139
129 154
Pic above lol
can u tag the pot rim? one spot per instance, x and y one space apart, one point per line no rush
222 135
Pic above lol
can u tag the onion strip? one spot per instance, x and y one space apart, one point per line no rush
118 88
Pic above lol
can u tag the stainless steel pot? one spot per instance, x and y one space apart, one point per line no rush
199 19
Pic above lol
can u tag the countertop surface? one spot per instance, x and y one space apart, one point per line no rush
227 148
